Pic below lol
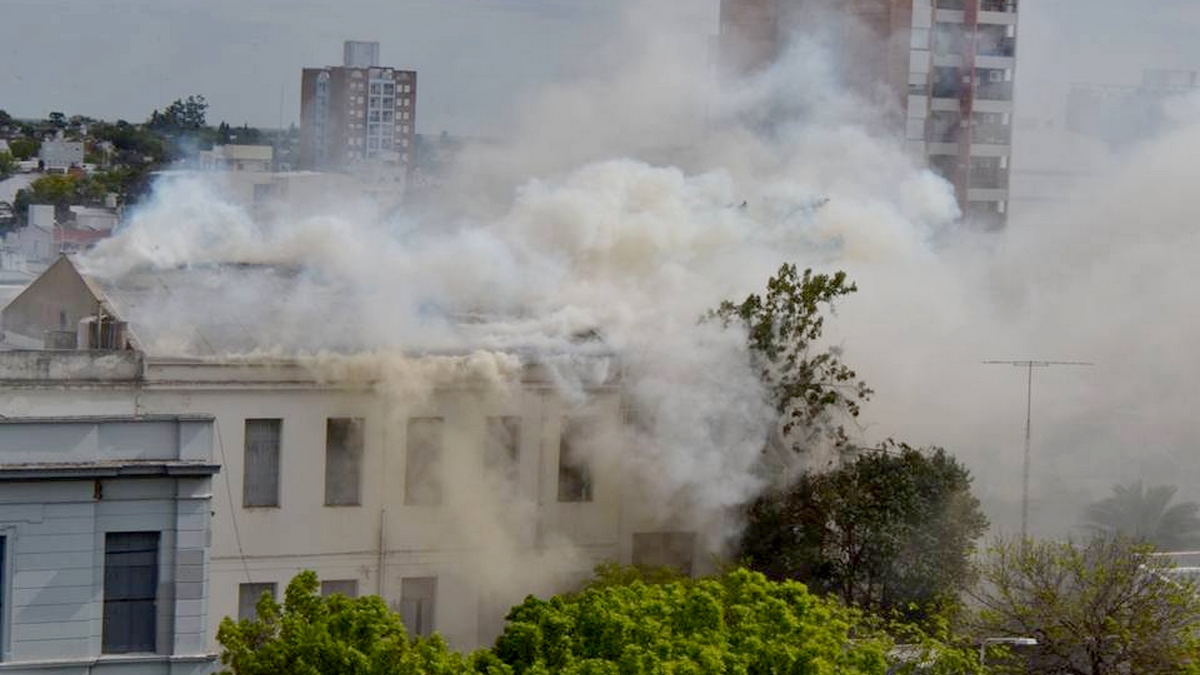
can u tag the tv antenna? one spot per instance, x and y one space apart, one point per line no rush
1029 365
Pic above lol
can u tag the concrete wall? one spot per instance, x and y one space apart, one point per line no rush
55 301
381 541
54 530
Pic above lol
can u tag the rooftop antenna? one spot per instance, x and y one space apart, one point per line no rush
1029 365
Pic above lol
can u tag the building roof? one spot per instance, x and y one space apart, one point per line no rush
261 153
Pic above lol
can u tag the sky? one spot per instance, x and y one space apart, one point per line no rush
477 59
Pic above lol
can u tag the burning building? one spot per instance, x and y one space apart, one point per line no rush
450 484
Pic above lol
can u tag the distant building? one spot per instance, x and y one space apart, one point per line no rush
237 158
60 156
359 116
948 65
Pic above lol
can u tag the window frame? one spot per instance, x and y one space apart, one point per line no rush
277 498
108 641
355 435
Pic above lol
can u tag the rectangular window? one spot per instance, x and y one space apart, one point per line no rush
260 480
664 549
346 587
343 461
574 474
248 597
130 592
422 482
417 598
502 447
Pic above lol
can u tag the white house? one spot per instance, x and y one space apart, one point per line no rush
59 155
237 158
451 485
104 528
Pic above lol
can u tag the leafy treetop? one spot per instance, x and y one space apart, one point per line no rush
807 385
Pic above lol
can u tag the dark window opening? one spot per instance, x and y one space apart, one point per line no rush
130 592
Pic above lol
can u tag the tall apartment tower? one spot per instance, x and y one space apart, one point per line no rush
359 116
950 64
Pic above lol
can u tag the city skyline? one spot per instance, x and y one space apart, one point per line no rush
479 59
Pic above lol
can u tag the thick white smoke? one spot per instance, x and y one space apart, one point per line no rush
630 202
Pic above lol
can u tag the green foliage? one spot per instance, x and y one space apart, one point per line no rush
182 115
1146 514
891 532
24 148
739 623
57 120
8 165
809 386
314 635
1101 607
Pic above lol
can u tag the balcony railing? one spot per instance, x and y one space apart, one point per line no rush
989 179
994 92
984 5
998 5
991 134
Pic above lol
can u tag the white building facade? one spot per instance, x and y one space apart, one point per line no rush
419 482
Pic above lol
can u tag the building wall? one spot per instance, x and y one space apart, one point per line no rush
383 540
60 300
54 543
344 110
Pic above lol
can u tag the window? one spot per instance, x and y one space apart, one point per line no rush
502 447
346 587
417 598
422 484
130 592
248 597
260 481
574 474
664 549
343 461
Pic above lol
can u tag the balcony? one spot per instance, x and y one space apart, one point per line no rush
991 134
1001 91
989 179
1006 6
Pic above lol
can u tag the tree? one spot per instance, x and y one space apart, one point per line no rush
809 386
57 120
1146 514
892 531
181 115
24 148
1104 606
737 623
314 635
8 165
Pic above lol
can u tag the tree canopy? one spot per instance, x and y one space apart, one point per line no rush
892 531
1146 514
1100 607
811 387
313 635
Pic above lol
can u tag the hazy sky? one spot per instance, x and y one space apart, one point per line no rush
122 58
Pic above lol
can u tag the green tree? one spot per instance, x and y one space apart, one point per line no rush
1104 606
1146 514
892 531
181 115
57 120
314 635
738 623
8 164
24 148
810 386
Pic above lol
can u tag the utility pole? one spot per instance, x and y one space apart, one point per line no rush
1029 365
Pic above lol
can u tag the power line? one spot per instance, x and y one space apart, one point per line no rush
1029 365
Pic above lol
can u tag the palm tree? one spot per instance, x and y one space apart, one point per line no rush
1146 514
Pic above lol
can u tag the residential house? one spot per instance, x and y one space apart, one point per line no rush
59 156
237 158
409 476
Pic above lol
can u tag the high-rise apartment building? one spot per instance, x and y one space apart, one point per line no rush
949 62
359 115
